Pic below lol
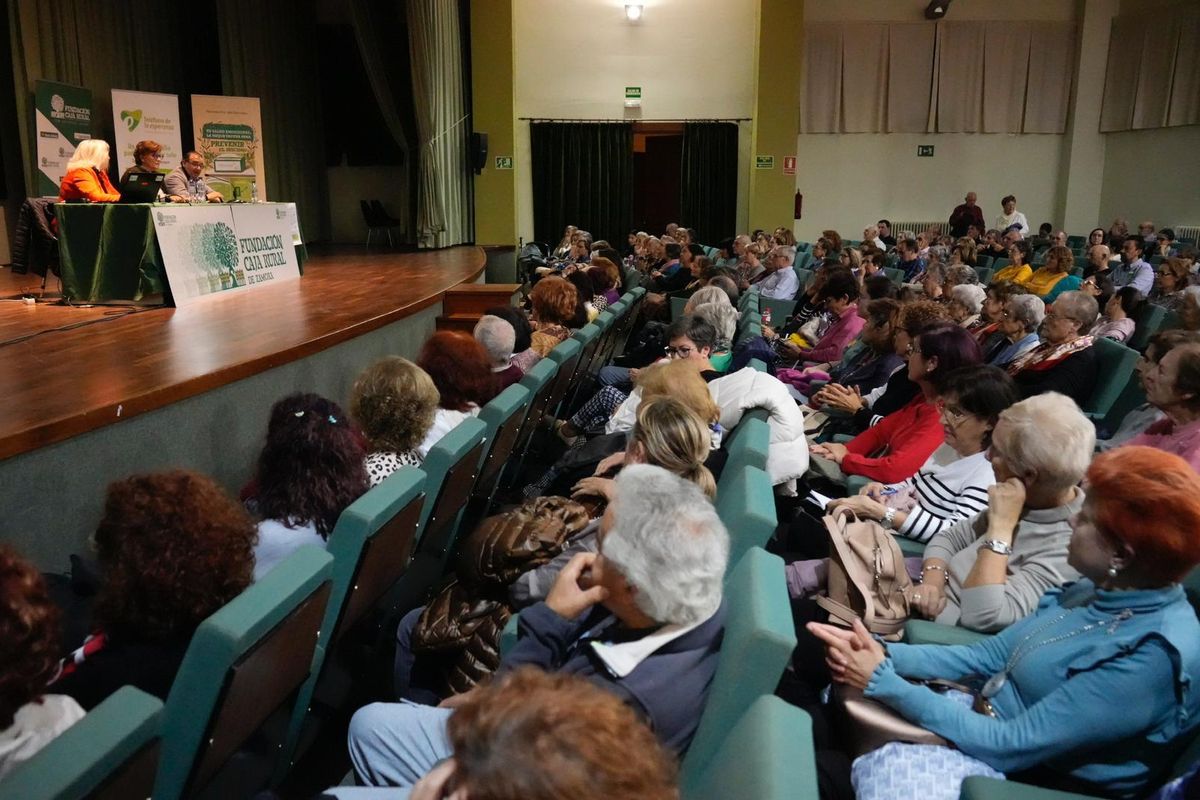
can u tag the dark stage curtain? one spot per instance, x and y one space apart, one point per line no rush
582 176
708 180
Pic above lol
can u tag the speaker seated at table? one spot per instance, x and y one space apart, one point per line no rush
185 184
87 175
147 156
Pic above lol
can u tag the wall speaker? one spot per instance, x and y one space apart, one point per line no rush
478 151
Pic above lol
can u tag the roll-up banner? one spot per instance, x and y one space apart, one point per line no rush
228 134
62 119
140 116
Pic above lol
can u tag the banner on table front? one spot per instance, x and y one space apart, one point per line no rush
218 248
138 116
228 134
62 119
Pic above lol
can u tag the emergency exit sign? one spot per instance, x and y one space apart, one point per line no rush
925 151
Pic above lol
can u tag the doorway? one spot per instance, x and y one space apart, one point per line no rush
657 172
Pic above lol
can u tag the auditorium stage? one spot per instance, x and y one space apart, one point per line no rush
139 389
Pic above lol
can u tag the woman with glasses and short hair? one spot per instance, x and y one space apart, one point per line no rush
1172 276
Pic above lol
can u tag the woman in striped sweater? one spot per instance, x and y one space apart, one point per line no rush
954 483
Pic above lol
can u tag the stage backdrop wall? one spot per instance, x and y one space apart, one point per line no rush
62 119
228 134
138 116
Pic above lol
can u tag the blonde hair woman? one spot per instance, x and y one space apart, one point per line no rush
87 175
667 434
393 402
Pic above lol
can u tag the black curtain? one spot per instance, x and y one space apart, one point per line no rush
708 180
582 176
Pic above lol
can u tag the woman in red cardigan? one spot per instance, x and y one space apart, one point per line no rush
895 449
87 175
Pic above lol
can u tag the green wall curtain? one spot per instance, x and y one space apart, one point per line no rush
266 52
583 176
708 179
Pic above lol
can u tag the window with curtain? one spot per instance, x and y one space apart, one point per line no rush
1153 76
582 175
947 77
708 179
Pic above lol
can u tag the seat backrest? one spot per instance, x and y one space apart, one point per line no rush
1148 321
244 663
767 755
677 306
895 275
803 275
1000 263
759 639
780 309
368 214
503 415
746 446
450 468
746 504
985 275
1115 365
110 754
539 380
566 355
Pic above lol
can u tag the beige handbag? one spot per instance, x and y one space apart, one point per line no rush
867 576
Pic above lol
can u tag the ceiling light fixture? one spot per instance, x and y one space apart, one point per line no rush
633 11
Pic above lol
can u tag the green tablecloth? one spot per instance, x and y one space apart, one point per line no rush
110 251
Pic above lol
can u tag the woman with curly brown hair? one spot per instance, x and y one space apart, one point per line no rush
463 376
393 402
173 548
553 302
311 467
29 718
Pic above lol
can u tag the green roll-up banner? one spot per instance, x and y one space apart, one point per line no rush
63 119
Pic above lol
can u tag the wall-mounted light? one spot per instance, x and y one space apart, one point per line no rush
633 11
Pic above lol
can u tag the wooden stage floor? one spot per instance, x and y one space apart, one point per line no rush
64 370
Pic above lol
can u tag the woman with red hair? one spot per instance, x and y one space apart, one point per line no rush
29 718
553 301
464 379
1094 691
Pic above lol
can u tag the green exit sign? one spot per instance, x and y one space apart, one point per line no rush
764 162
925 151
503 162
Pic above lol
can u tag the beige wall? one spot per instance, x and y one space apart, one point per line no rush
348 185
1152 175
574 58
914 10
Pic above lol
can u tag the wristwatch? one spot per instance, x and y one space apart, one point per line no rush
997 546
889 519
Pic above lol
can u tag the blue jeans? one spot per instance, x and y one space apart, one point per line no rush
615 376
395 744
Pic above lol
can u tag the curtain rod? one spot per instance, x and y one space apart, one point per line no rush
697 119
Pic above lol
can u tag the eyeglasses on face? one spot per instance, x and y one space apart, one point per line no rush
679 352
952 411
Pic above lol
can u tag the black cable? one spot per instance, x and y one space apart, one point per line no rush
108 317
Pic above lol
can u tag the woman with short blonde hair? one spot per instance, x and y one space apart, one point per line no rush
393 402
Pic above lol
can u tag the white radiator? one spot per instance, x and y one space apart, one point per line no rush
1188 232
913 228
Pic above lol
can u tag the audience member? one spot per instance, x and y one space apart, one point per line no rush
965 215
1189 309
863 367
1097 236
1173 278
86 177
895 449
1132 542
1117 323
1011 219
885 234
659 570
393 402
1099 260
1022 317
965 303
524 356
1066 361
723 317
1164 244
497 338
173 549
839 295
1143 416
29 638
1054 278
1132 270
779 280
1018 271
463 377
552 302
311 467
1173 387
606 282
585 310
910 259
987 329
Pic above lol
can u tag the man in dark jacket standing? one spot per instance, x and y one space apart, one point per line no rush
642 618
964 216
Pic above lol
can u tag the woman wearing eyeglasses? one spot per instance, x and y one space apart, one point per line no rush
1019 270
1171 279
1117 323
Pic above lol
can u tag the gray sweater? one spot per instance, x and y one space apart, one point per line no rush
1038 563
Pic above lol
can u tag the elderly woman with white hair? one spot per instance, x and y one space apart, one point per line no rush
1065 362
723 317
87 178
497 337
966 302
1019 323
658 573
987 572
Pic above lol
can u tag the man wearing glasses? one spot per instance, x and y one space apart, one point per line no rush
1133 271
185 184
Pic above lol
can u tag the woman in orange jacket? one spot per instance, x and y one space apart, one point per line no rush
87 175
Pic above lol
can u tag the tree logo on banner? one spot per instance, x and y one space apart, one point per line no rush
57 103
132 118
214 248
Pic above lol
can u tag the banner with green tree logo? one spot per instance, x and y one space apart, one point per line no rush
62 119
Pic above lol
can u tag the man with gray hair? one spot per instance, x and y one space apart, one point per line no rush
1066 361
778 280
497 337
642 618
